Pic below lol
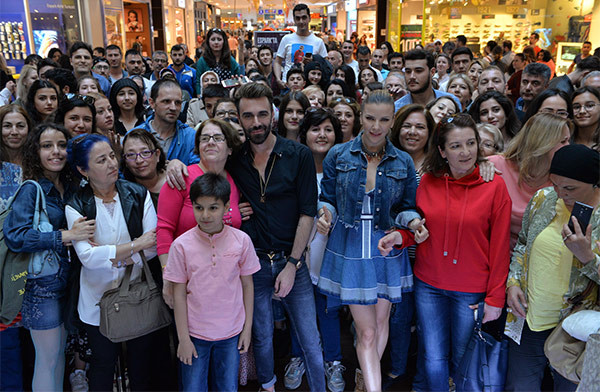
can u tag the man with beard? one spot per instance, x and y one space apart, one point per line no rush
134 64
265 59
277 177
81 61
175 137
418 71
186 75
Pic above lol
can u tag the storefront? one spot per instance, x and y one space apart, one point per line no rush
366 22
561 24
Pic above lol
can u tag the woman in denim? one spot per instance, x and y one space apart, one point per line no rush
45 162
367 183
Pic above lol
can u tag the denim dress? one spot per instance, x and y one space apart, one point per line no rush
353 270
43 301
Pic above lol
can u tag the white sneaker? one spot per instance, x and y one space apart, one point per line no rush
79 382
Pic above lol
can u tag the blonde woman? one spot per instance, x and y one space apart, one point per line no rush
525 164
28 75
462 88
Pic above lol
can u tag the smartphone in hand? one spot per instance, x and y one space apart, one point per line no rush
583 213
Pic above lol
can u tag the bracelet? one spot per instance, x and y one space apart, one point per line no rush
131 255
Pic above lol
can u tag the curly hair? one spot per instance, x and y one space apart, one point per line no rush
32 165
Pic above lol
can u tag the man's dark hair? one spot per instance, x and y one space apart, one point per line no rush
462 50
462 39
80 45
536 35
420 54
214 91
363 50
587 42
521 56
210 185
393 55
507 44
590 63
348 41
177 48
250 74
538 69
259 78
62 77
132 52
253 90
375 86
158 85
300 7
294 70
47 62
265 47
100 50
450 46
113 47
247 44
33 59
491 44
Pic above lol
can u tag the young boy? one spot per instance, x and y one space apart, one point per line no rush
211 267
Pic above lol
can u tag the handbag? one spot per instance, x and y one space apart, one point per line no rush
564 352
45 262
484 364
590 376
133 309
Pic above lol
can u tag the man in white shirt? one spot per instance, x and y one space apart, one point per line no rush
298 47
347 51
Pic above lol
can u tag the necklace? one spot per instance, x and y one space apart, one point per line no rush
373 155
264 184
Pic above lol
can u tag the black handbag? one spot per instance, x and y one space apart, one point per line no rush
133 309
484 364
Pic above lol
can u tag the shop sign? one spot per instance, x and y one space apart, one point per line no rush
269 17
488 16
315 15
411 31
269 38
350 5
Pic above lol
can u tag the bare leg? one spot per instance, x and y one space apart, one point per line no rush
49 359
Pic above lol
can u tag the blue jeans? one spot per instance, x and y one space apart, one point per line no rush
220 357
11 372
329 326
527 362
300 307
445 324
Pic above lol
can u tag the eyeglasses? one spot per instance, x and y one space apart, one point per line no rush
101 67
560 113
344 99
133 156
85 98
218 138
225 113
215 30
588 107
313 109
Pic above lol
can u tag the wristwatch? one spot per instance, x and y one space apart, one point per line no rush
295 262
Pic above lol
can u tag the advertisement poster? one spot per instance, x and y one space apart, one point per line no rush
269 38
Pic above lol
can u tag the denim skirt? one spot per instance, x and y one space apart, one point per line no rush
44 300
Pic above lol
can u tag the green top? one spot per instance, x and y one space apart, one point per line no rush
202 66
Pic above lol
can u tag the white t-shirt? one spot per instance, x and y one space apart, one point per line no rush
293 47
354 66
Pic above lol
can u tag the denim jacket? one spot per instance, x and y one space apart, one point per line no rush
18 231
344 181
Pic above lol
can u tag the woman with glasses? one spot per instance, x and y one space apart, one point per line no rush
144 162
525 165
550 101
451 274
494 108
291 112
216 56
368 185
215 141
586 109
127 103
348 112
78 115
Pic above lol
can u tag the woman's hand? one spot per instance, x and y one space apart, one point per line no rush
186 350
147 240
245 210
579 244
167 293
418 227
490 313
487 170
387 243
324 221
516 301
82 230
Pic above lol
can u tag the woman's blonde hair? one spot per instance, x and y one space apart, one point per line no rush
21 89
464 78
528 150
313 89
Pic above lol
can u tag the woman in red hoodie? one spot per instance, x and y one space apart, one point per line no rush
466 258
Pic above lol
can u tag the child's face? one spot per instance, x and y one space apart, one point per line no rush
208 212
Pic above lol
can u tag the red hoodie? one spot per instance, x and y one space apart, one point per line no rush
469 235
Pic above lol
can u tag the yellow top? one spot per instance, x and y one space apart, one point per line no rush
549 273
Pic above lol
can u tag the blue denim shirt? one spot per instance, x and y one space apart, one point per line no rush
344 181
182 146
18 231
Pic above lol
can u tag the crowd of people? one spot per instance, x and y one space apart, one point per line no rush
268 190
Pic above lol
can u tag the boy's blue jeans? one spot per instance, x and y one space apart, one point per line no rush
221 358
300 307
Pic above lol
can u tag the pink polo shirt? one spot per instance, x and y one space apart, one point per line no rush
211 266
